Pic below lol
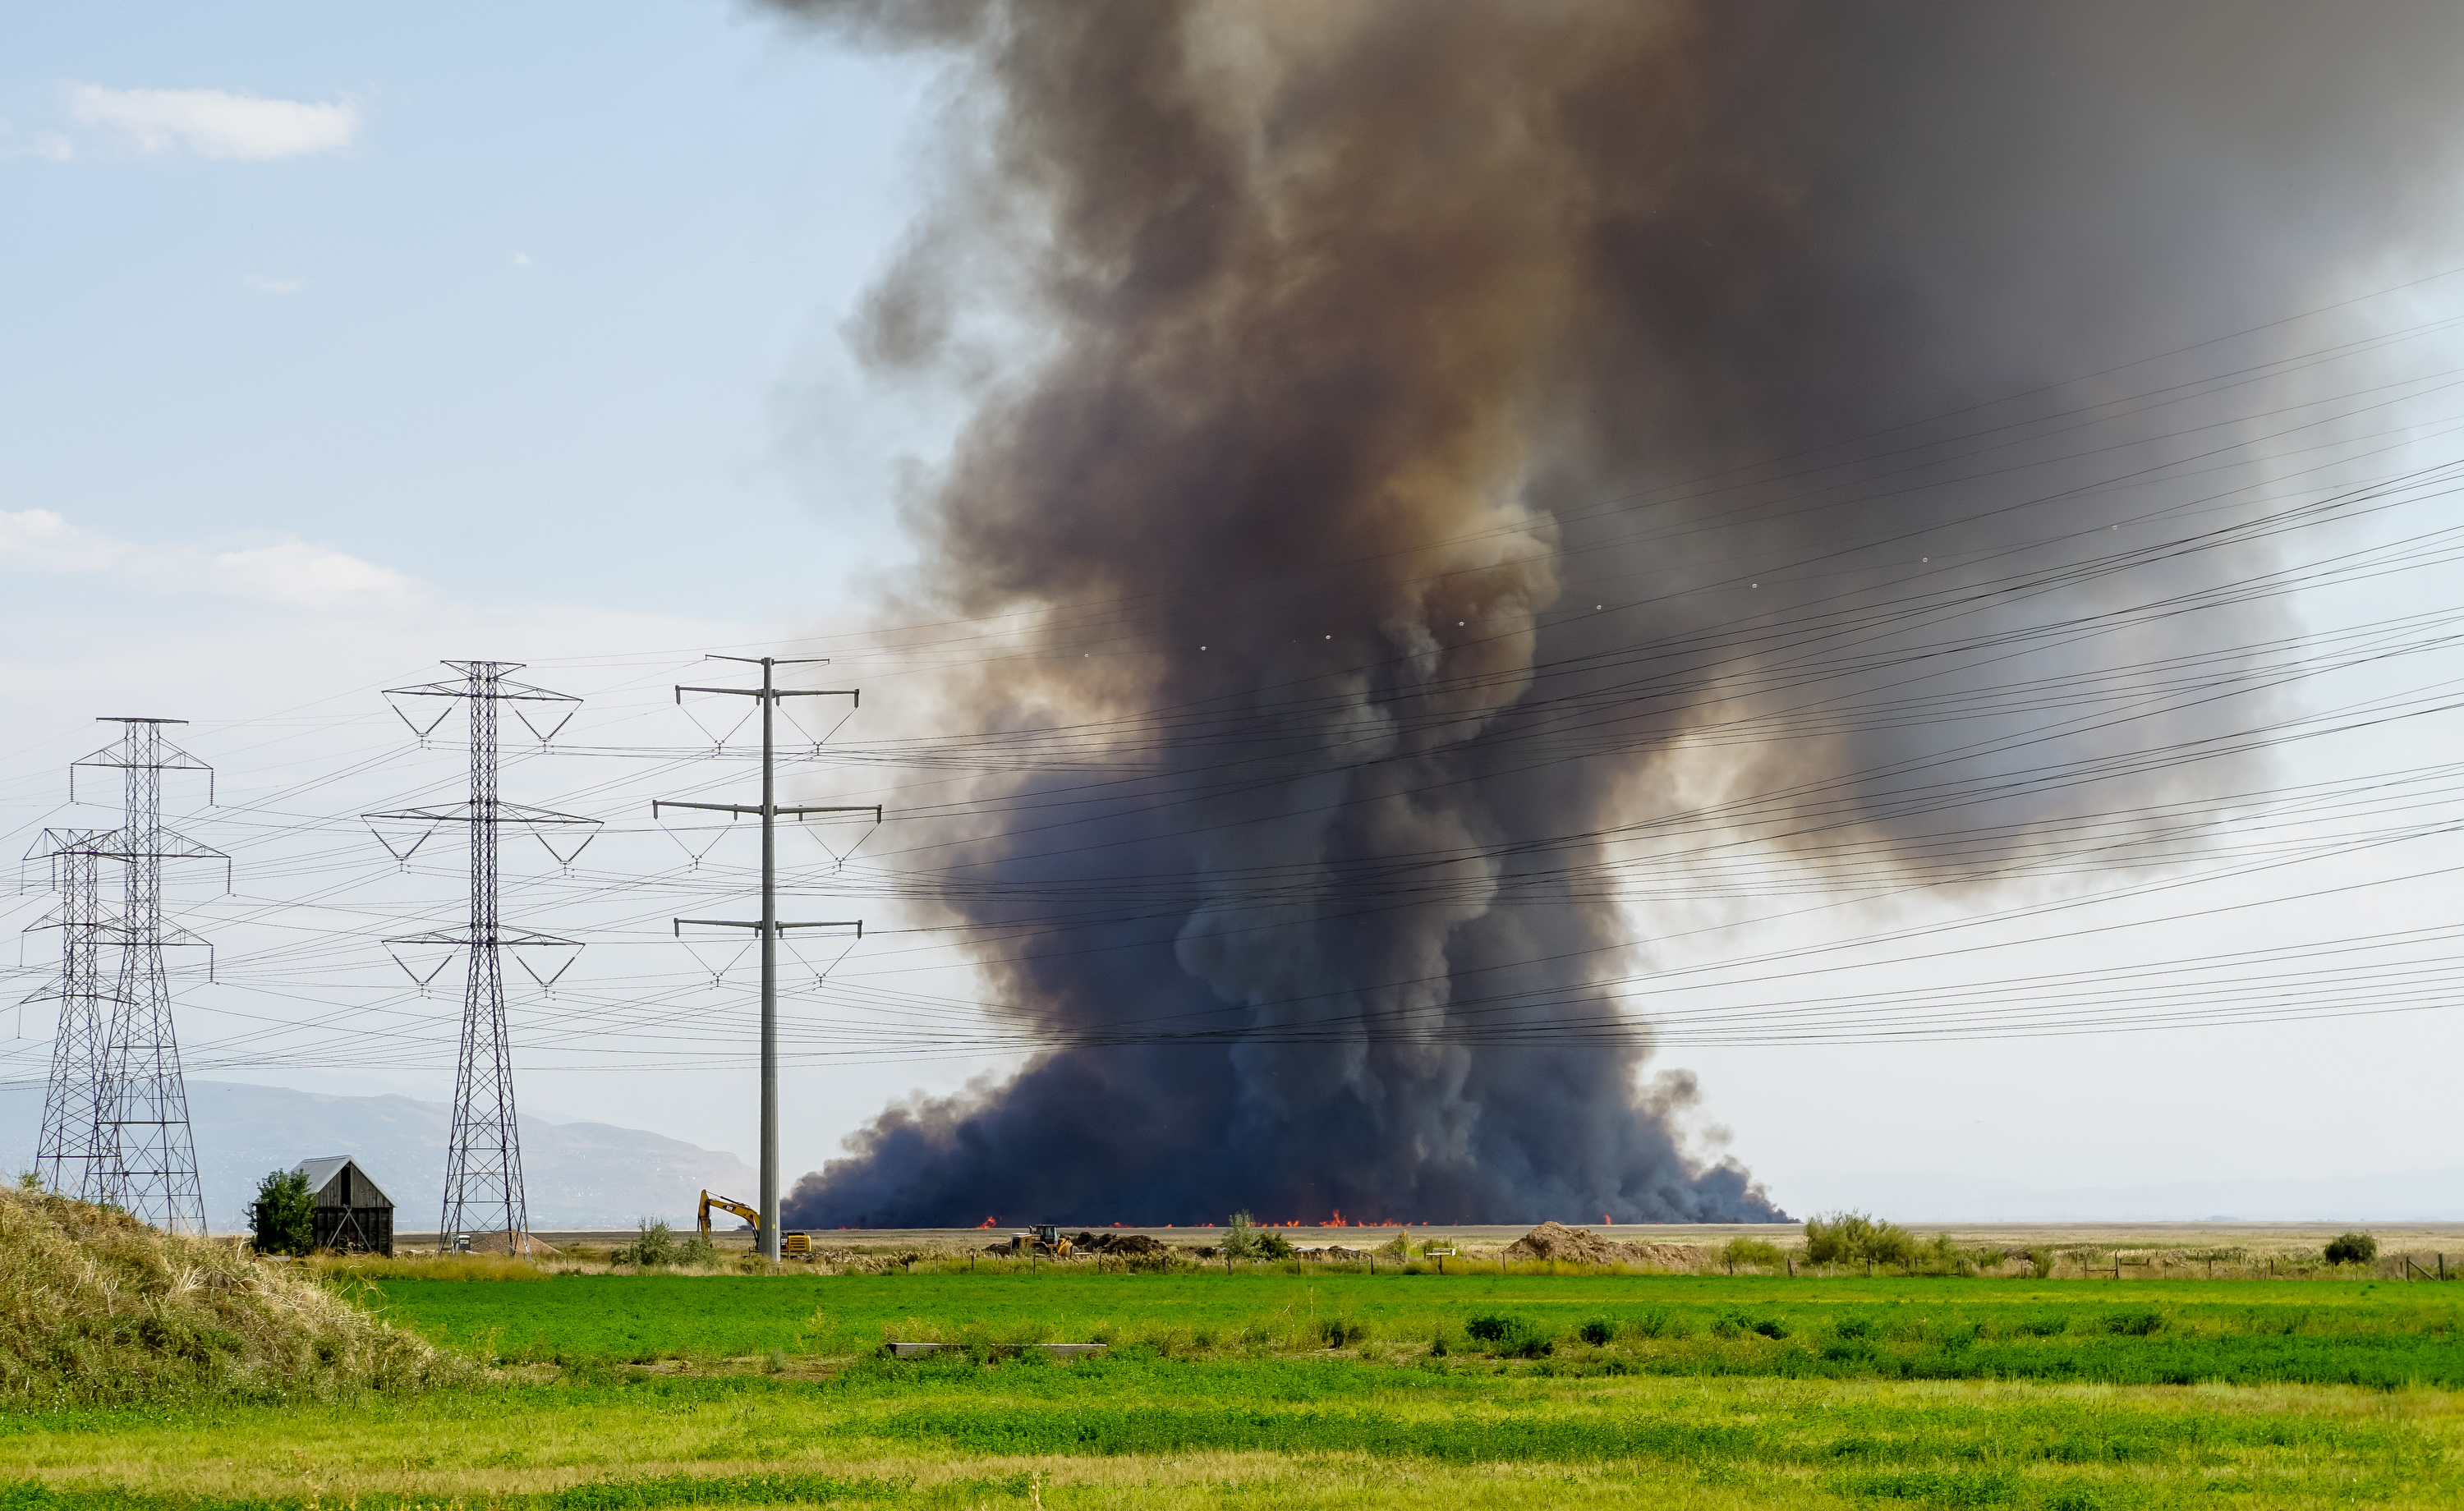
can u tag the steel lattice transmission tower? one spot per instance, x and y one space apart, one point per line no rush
71 1154
483 1160
142 1156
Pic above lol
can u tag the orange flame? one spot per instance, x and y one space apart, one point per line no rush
986 1223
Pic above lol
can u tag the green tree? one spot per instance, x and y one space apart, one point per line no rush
2352 1248
283 1218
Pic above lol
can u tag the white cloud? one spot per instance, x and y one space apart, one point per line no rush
217 123
310 576
521 260
265 285
49 146
291 573
40 541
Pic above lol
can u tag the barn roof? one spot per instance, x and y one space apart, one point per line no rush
320 1173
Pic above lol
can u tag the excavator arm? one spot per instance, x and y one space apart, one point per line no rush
738 1208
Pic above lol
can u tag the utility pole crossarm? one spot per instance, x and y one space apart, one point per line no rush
780 924
469 813
756 810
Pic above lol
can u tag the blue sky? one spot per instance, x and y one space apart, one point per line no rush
536 331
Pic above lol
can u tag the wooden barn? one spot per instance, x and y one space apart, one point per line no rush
353 1214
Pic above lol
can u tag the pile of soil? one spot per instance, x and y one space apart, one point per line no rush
1554 1240
501 1242
1134 1244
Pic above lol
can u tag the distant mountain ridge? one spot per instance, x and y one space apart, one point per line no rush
576 1175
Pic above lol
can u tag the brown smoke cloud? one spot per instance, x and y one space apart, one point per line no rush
1345 353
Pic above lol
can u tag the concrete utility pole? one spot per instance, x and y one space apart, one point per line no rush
768 924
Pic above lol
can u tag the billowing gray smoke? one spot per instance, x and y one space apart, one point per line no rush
1374 342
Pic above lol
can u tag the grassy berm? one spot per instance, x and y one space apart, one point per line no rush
98 1310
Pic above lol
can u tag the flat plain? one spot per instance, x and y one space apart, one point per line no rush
1328 1388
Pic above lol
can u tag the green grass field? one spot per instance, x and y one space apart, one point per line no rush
1222 1391
2368 1333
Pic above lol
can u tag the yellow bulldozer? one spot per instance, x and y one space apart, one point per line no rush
1043 1241
789 1242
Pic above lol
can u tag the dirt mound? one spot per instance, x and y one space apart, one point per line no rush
96 1308
1130 1244
501 1242
1565 1245
1554 1240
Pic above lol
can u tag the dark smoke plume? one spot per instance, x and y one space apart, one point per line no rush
1348 325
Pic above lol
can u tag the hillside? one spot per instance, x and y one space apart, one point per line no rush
96 1308
578 1174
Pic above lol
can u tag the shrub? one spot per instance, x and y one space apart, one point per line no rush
283 1217
657 1246
1737 1325
1340 1332
1599 1331
1857 1237
698 1249
1754 1253
1245 1239
2352 1248
1516 1337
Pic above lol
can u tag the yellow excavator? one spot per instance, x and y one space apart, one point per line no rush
789 1242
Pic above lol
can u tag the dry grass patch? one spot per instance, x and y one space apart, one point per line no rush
96 1308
